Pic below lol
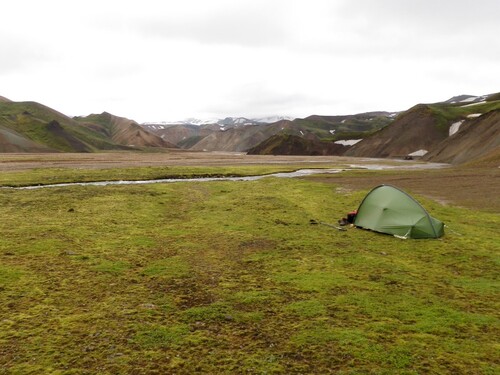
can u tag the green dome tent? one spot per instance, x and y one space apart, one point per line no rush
387 209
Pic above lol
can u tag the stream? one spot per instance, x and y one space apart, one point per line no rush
298 173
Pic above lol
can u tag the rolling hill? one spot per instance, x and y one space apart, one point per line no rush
240 138
413 130
122 131
234 136
477 138
450 131
287 144
462 129
33 127
11 141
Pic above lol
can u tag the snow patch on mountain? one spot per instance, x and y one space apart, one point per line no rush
195 121
455 127
348 142
465 99
189 121
469 99
271 119
418 153
473 104
235 121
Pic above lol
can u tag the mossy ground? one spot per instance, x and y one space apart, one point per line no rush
230 277
47 176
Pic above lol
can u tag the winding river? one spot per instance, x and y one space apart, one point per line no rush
298 173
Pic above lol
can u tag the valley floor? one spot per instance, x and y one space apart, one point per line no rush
468 187
16 162
231 277
471 188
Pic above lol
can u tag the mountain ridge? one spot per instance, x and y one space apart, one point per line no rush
33 127
438 131
459 130
221 121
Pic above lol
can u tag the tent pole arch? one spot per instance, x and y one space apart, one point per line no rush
426 226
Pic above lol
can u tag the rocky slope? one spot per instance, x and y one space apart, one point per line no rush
456 131
477 137
413 130
286 144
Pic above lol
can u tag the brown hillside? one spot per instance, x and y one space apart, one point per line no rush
413 130
241 138
4 99
123 131
177 134
286 144
130 133
476 139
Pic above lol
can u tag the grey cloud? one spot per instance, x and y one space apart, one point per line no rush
256 99
428 16
395 29
18 53
244 26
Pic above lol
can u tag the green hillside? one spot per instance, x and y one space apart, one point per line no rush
52 129
446 113
427 126
345 127
99 122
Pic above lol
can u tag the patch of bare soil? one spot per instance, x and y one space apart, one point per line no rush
472 188
21 161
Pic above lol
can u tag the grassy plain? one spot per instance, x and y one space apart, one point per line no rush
231 277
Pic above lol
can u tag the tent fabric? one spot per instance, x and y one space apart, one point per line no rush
387 209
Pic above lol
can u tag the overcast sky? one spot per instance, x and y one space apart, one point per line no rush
154 60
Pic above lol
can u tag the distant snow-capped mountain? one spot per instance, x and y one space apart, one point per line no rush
228 121
188 121
235 121
272 119
466 99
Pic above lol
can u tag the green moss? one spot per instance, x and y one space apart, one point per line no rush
158 336
309 308
230 277
173 267
213 312
113 267
9 275
252 297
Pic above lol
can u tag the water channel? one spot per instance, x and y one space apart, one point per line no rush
298 173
